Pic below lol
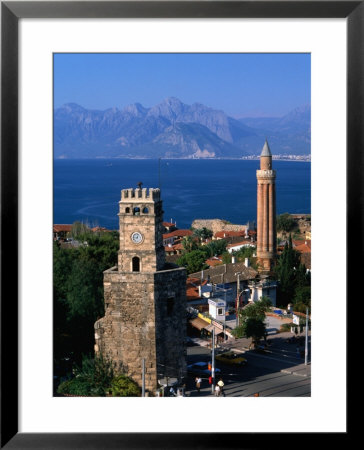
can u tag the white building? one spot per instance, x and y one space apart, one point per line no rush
263 288
217 308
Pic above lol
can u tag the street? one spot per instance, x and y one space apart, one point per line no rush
277 372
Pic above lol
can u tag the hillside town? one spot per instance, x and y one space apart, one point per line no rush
211 276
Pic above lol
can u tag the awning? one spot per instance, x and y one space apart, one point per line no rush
218 330
198 323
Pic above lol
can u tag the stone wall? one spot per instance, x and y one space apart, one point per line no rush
217 225
171 322
140 323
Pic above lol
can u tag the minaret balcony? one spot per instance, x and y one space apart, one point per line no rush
266 173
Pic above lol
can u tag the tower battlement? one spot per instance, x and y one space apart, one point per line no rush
131 194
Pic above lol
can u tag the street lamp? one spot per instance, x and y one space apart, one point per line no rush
213 361
306 338
238 294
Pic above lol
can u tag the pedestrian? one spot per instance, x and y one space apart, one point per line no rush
198 384
217 391
221 385
172 392
210 380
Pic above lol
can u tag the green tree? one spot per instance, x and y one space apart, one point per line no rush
294 282
193 261
93 378
285 223
189 243
202 233
78 295
252 321
285 269
214 248
302 299
79 230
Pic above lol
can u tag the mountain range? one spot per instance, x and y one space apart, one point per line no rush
176 130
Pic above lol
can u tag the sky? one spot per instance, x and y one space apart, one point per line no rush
242 85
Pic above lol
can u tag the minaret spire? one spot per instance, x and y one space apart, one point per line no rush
266 211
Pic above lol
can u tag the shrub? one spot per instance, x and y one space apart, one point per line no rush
123 386
92 379
286 326
76 386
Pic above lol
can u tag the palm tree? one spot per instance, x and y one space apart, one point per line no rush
189 243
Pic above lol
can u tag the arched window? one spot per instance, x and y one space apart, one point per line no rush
145 210
136 264
136 211
127 210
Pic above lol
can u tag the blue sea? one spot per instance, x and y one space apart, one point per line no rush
89 190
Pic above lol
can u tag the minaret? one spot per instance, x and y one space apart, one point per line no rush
266 212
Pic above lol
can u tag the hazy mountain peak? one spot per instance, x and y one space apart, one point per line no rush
135 109
71 107
174 129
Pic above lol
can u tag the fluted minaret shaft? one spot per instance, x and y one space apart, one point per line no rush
266 211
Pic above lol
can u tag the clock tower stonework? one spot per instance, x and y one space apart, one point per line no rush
145 298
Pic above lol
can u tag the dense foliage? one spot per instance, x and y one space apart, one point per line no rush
285 223
123 386
96 378
202 233
193 261
78 294
240 255
294 281
252 321
194 256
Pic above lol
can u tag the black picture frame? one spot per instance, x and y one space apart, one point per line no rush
11 12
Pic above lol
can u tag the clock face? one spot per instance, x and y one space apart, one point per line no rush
136 237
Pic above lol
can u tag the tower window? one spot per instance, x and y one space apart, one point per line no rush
145 210
136 264
127 210
136 211
170 304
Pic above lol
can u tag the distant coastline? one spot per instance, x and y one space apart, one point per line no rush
294 158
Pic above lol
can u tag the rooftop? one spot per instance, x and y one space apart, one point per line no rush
225 273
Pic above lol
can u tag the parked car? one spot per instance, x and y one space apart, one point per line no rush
201 368
190 342
231 358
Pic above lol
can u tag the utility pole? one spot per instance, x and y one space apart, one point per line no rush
237 298
306 338
213 361
225 317
143 377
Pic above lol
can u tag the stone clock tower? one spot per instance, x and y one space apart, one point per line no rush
145 298
266 212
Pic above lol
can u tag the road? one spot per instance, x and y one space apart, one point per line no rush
280 372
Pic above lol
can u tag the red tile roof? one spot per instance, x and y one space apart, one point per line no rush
178 233
169 224
58 228
212 262
99 229
192 284
302 246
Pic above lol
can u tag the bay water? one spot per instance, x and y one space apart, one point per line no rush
89 190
